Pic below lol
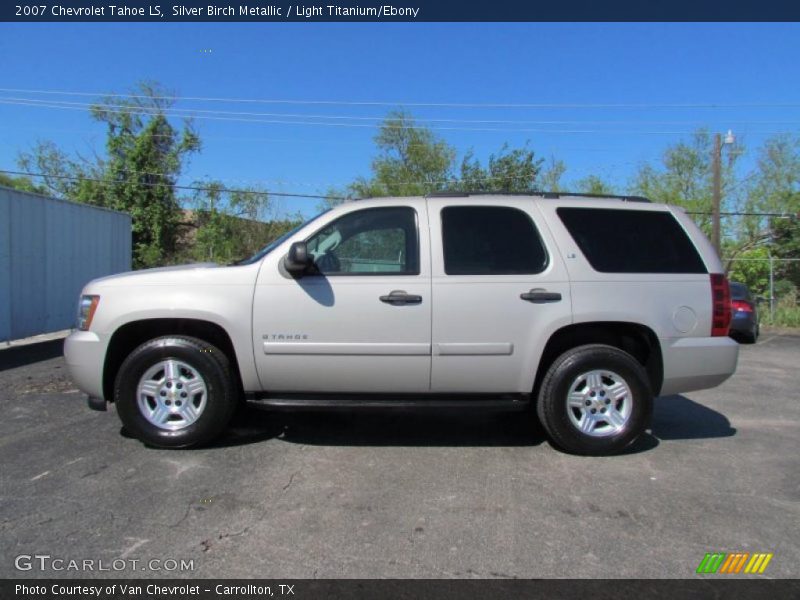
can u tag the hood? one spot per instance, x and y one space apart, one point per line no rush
156 275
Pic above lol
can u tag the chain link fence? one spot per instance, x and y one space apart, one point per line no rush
782 310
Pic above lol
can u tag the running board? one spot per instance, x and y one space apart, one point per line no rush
505 402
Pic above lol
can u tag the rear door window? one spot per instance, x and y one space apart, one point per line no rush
490 240
631 241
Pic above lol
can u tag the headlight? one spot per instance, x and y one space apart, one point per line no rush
86 308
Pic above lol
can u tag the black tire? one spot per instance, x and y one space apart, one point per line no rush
751 336
553 410
208 361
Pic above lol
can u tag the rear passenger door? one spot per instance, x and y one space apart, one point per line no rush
499 288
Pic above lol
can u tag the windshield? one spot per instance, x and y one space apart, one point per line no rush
277 242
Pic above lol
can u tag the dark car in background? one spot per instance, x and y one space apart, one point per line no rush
744 314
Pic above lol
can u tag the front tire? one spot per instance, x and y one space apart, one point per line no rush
175 392
595 400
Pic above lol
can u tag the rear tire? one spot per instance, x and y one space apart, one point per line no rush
751 336
595 400
175 392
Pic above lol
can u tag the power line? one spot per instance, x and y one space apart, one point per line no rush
50 103
711 105
179 187
187 113
745 214
297 195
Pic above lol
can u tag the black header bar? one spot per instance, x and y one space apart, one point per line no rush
276 11
387 589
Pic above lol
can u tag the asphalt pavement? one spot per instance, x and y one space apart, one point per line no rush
399 495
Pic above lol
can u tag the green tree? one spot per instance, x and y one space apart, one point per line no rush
684 178
227 225
752 269
411 161
145 154
785 244
592 184
62 176
551 174
143 159
23 184
509 171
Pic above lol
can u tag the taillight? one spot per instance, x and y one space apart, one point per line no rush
742 306
720 305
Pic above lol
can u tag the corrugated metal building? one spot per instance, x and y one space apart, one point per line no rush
49 249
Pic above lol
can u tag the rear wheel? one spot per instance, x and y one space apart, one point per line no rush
174 392
595 400
751 336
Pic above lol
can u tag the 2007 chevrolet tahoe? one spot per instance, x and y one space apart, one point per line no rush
586 308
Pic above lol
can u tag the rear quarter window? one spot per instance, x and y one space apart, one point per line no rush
631 241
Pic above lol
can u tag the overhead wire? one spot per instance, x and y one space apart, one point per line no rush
192 114
11 99
567 105
176 186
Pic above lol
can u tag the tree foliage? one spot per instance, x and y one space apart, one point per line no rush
225 226
509 171
684 178
23 184
413 161
144 155
552 172
593 184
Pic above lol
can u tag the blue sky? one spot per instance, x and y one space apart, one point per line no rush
400 64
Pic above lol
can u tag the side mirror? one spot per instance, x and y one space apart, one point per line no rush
297 260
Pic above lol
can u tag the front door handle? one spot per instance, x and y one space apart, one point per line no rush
399 297
540 296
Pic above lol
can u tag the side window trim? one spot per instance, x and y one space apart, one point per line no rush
415 242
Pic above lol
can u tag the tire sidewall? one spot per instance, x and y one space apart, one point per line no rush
575 364
217 409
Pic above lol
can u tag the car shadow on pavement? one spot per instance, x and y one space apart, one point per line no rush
679 418
391 428
20 356
674 418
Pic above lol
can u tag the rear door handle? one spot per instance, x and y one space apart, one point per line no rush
399 297
540 296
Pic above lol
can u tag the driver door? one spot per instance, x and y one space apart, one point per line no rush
360 321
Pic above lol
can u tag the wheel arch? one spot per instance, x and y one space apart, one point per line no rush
636 339
134 333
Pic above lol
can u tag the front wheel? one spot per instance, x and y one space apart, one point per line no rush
595 400
174 392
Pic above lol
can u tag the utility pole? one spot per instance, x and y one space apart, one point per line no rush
716 166
717 194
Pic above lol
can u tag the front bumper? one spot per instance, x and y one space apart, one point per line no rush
697 363
84 352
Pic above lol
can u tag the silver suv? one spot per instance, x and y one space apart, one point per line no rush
582 307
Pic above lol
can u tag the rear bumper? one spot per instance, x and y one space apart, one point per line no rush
743 322
84 353
697 363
